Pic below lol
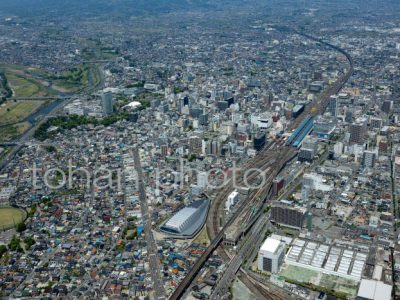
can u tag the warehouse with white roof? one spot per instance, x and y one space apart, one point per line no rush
374 290
328 259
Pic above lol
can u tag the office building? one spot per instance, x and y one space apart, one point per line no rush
288 216
134 117
297 110
333 106
202 179
107 103
222 105
308 149
387 106
376 123
259 141
324 127
348 116
271 255
164 150
277 185
232 199
369 158
358 131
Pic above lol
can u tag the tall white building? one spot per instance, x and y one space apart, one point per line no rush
232 199
271 255
202 179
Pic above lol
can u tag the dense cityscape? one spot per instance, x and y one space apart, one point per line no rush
199 149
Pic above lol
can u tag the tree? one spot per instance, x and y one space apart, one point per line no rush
29 242
15 244
3 249
21 227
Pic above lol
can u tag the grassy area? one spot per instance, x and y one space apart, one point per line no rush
331 284
299 274
76 78
9 132
10 216
202 238
72 79
33 82
23 87
15 111
23 83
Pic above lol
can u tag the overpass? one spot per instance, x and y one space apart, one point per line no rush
44 98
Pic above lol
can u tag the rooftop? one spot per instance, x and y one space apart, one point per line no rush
374 290
270 245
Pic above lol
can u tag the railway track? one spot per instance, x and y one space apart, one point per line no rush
318 107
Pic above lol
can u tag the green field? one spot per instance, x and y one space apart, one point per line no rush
9 132
15 111
10 216
332 284
76 78
25 82
299 274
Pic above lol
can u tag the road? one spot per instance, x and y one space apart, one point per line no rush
151 243
253 240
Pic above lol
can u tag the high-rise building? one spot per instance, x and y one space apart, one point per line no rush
259 141
308 149
376 123
383 145
202 179
108 103
231 200
271 255
215 147
333 106
357 132
369 158
277 185
288 216
387 106
203 119
349 116
164 150
134 117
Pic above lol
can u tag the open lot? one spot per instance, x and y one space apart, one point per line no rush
10 216
202 238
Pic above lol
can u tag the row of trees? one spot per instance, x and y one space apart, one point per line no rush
73 121
5 86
